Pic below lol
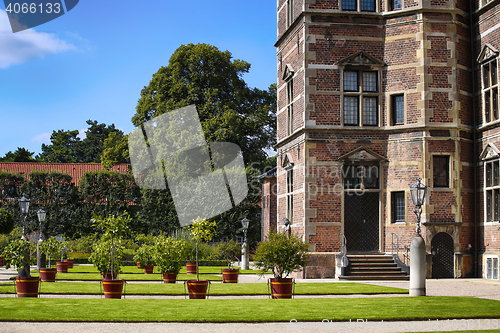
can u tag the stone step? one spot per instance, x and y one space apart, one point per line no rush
375 277
357 273
364 268
374 264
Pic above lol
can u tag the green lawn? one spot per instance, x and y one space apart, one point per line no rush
246 310
135 270
80 288
128 277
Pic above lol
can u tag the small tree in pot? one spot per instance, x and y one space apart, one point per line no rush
113 228
201 231
230 251
51 248
144 255
169 255
281 254
18 253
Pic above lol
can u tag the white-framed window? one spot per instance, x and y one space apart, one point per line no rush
397 109
398 205
492 268
492 190
289 194
489 78
289 101
289 12
361 95
395 4
359 5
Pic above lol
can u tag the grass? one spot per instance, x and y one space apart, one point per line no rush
83 288
129 277
256 310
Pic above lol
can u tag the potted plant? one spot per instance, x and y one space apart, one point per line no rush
144 258
62 266
229 251
18 253
169 255
201 231
281 254
108 252
51 248
65 251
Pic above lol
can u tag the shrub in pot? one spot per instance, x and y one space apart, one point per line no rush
169 255
281 254
229 251
51 248
144 257
201 231
18 253
108 252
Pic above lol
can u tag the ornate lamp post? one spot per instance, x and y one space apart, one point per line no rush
418 191
41 219
24 204
417 248
244 248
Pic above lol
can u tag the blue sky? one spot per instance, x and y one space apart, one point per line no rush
92 62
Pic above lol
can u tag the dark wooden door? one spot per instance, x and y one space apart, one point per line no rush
361 221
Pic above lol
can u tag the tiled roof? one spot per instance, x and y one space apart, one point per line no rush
75 170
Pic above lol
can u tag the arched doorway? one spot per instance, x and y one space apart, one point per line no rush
442 256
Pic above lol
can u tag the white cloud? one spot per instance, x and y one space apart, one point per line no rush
17 48
82 133
41 138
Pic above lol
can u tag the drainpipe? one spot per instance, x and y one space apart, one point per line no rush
474 137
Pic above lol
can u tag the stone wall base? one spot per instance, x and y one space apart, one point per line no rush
321 266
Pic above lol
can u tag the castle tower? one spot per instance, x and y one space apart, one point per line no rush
373 94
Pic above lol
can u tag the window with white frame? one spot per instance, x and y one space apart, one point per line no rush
492 190
361 98
289 194
395 4
398 204
492 268
359 5
289 101
489 73
289 12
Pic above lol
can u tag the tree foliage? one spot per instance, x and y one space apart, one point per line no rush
229 110
7 221
20 155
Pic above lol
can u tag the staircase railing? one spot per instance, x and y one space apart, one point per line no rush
395 247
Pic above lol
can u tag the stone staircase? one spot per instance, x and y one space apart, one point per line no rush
373 266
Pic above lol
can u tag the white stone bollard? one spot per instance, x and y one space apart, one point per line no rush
417 266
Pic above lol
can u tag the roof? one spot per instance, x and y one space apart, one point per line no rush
270 173
75 170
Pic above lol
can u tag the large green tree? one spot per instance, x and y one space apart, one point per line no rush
20 155
229 110
67 147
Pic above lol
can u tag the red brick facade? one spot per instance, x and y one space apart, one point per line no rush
390 89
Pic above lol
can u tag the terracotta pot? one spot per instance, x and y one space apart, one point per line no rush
112 288
62 267
230 275
70 262
197 289
139 265
281 288
191 268
48 274
169 277
107 275
27 286
2 261
149 269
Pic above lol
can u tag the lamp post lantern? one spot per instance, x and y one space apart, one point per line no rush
417 247
418 191
244 248
24 204
41 219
